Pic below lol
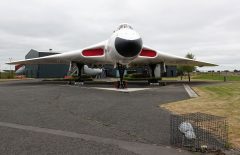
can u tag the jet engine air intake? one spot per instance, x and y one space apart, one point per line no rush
128 48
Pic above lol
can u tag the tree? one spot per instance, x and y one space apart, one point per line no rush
187 69
180 71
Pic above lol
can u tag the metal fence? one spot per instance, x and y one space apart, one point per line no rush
199 131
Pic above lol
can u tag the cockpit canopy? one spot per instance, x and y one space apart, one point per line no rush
124 25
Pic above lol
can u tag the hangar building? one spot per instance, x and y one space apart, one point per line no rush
44 70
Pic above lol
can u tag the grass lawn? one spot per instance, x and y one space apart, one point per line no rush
221 100
216 76
4 75
206 77
4 80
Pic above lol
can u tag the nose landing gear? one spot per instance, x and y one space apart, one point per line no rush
121 84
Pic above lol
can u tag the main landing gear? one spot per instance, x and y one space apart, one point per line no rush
79 80
121 84
153 80
76 69
157 71
80 68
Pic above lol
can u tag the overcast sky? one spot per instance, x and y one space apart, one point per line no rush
210 29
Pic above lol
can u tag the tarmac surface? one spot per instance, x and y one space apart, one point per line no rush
54 118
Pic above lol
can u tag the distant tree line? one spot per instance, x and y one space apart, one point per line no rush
235 71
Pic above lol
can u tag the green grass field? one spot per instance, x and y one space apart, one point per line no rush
221 100
207 77
4 75
216 76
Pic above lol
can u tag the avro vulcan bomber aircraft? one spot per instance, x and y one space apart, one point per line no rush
124 48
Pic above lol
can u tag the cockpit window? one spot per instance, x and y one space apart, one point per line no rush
124 26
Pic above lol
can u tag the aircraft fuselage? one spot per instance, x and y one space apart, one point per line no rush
124 45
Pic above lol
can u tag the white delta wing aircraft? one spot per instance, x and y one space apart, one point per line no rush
124 48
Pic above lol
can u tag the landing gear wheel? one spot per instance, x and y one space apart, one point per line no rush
118 85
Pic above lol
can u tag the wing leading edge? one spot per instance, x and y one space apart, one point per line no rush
151 56
92 54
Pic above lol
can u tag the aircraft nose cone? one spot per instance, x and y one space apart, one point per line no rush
128 48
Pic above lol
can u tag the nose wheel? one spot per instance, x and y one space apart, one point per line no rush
121 84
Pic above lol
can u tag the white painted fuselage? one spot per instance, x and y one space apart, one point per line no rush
127 34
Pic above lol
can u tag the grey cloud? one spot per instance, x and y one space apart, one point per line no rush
209 29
